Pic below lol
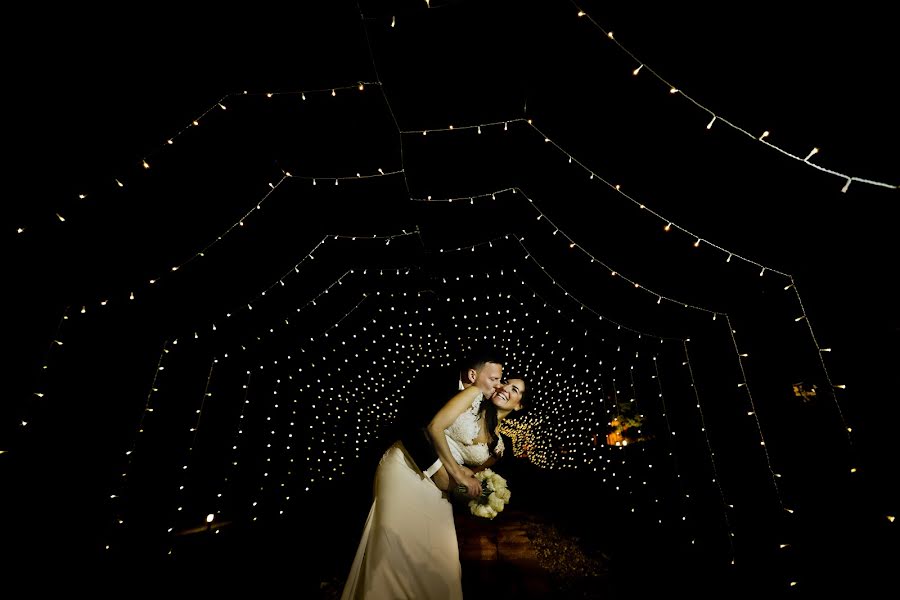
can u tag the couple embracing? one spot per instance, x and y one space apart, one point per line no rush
409 547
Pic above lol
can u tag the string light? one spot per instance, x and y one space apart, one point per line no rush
477 126
674 90
572 244
710 453
617 188
184 468
120 487
221 104
295 269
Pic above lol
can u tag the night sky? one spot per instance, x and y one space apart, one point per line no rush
92 94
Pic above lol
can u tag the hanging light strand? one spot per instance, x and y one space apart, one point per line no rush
278 283
675 90
25 421
475 127
529 256
573 244
148 159
384 96
820 351
236 440
762 440
187 460
712 455
682 494
313 301
666 221
120 487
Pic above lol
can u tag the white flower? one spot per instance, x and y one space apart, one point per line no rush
497 480
503 494
495 498
496 503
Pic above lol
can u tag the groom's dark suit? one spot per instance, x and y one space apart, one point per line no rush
429 391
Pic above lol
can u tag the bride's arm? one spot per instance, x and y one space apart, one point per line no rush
445 417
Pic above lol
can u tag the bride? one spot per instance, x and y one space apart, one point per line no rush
408 547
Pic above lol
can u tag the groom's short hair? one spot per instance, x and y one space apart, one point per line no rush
477 356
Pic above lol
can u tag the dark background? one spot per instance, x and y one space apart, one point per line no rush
91 93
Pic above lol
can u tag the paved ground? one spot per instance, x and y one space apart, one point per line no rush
500 560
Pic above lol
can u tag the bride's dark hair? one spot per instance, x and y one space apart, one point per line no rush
490 420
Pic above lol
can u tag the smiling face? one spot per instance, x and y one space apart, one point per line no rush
508 397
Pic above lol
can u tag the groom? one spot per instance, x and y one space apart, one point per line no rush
482 367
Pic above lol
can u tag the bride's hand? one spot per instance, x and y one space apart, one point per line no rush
467 478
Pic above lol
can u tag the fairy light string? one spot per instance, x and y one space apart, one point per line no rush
573 244
384 97
313 301
755 415
529 256
180 498
120 488
257 206
669 224
295 270
626 459
40 388
289 451
647 461
673 89
236 440
148 160
819 351
476 127
762 440
270 440
683 496
712 455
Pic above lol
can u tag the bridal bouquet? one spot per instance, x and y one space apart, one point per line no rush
494 495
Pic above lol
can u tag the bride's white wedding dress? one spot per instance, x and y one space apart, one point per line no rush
408 547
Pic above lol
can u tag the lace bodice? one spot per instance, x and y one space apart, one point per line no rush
461 437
